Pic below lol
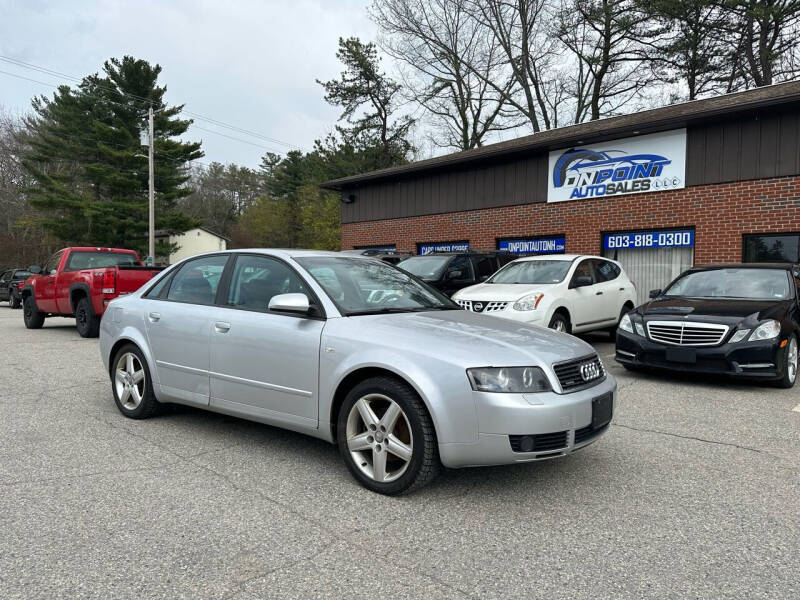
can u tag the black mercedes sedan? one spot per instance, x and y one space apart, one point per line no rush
734 319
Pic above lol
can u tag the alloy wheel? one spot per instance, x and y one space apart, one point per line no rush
791 359
129 381
379 438
559 325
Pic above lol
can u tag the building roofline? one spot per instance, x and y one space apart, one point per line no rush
648 121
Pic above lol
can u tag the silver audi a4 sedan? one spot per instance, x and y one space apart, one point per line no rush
356 352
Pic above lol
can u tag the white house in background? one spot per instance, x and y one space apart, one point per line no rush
192 242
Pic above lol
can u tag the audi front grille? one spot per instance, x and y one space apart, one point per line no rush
580 373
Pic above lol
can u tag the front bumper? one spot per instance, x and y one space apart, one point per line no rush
757 360
503 417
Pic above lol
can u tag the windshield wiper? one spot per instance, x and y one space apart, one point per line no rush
388 311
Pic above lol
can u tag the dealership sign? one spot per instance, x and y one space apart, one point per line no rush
538 245
672 238
648 163
443 247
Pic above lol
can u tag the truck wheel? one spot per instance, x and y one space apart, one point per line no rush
132 384
31 315
386 437
87 323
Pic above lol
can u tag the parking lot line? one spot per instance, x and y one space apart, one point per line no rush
796 408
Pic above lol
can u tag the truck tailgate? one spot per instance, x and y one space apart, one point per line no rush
130 278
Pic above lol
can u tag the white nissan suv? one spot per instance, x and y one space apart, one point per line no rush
566 292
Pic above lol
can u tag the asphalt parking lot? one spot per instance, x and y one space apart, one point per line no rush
694 493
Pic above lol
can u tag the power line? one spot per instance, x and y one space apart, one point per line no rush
230 137
47 71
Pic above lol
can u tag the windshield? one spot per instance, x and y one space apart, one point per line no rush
532 271
425 267
752 284
360 287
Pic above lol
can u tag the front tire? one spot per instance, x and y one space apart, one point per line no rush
386 437
86 322
560 323
790 364
30 313
132 384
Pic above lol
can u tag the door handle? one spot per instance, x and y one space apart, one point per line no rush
621 289
154 316
221 327
599 294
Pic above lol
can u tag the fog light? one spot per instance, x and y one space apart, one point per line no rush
526 443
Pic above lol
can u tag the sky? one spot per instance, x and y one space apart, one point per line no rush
251 64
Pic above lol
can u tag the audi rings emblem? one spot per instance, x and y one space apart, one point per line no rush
590 371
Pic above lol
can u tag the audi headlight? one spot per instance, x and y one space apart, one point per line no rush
529 302
509 380
626 324
766 331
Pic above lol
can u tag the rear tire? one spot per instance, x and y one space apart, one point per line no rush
132 385
31 315
86 322
387 438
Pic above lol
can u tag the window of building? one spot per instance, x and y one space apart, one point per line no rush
782 247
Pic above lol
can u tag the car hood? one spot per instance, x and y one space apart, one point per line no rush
507 292
468 339
721 310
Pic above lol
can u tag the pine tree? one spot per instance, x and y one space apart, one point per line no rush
85 155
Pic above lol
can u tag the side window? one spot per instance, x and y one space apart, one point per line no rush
459 263
584 269
606 271
198 280
484 266
5 277
52 264
157 291
256 279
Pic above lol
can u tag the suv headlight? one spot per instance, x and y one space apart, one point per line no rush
766 331
529 302
509 380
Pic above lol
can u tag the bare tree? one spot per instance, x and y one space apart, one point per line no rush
534 58
767 39
610 39
454 67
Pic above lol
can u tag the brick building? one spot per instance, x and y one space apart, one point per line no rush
714 180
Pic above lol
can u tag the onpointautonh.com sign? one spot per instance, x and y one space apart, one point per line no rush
648 163
534 245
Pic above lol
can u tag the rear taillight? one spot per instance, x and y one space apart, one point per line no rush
109 282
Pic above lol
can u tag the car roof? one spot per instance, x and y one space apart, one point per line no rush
774 265
564 257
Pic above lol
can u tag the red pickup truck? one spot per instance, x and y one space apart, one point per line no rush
80 282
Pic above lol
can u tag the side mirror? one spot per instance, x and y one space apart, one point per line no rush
293 303
581 281
655 293
35 269
457 274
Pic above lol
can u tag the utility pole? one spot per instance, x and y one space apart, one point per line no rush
151 242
